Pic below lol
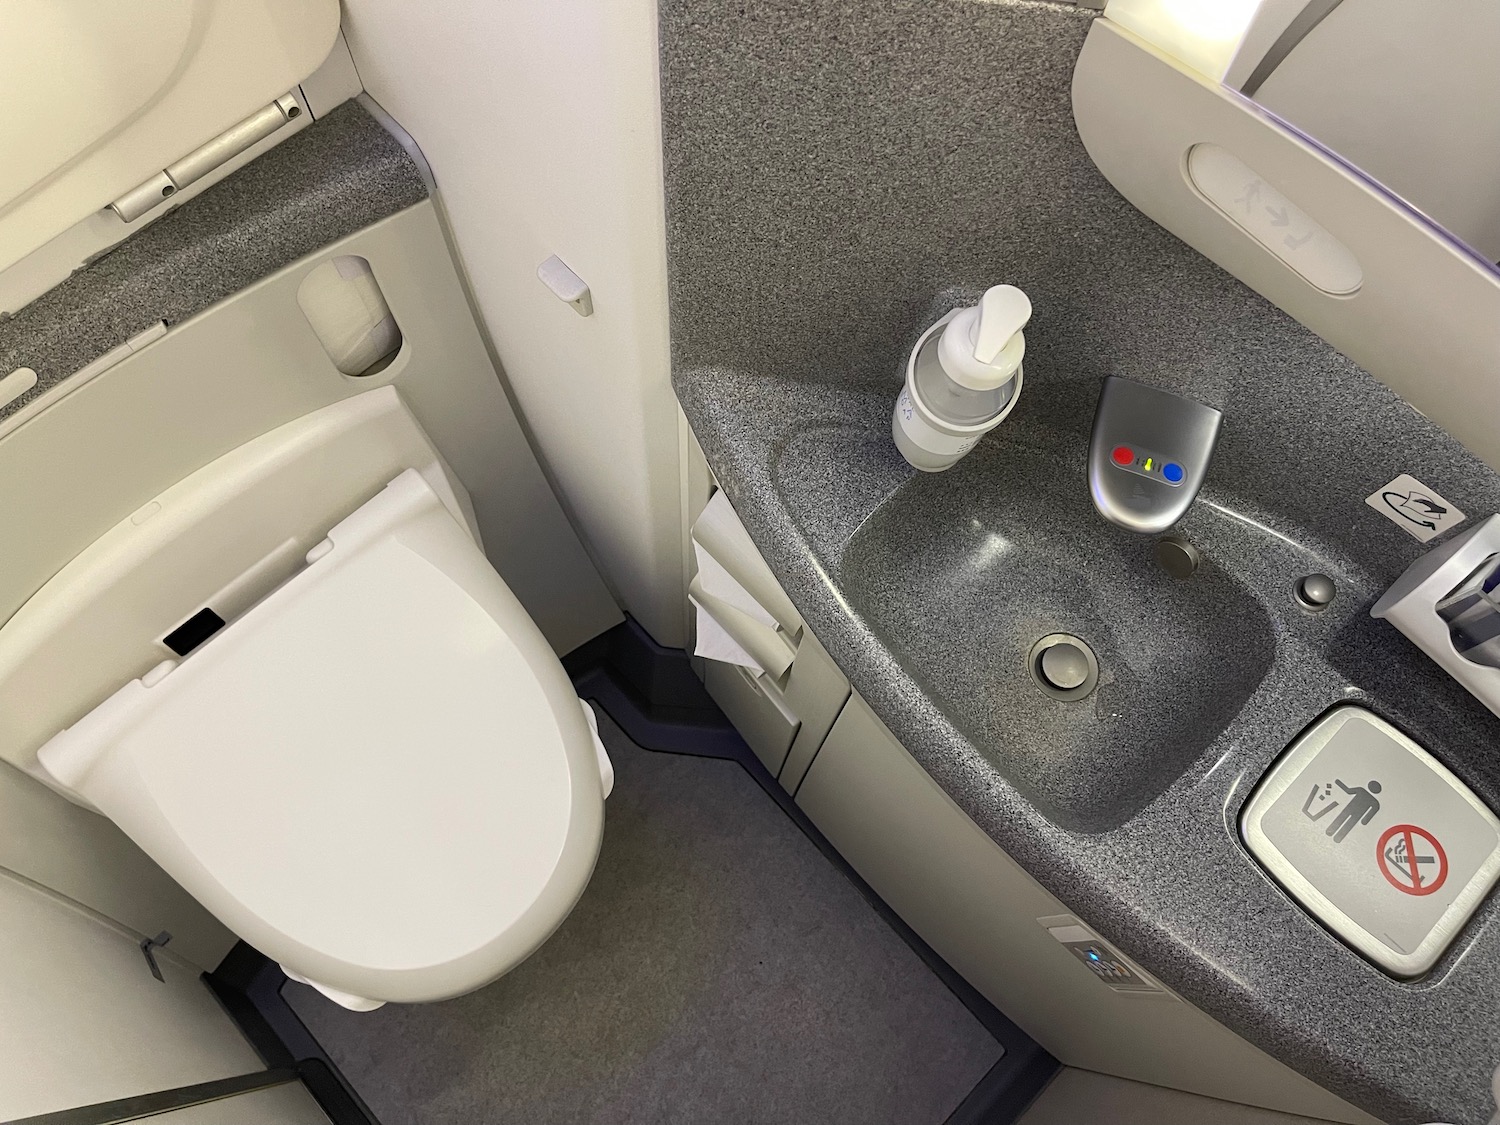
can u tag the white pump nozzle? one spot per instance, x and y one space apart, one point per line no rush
1003 312
982 346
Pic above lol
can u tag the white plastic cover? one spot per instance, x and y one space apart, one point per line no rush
222 538
103 95
379 776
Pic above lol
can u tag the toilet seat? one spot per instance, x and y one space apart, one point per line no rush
379 775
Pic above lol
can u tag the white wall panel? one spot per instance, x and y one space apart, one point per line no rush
84 1019
78 854
1412 103
540 121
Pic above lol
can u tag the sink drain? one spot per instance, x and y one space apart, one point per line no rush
1063 666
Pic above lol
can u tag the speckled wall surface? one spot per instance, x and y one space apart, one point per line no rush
831 166
341 173
837 172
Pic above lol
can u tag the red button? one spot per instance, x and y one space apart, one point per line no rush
1123 455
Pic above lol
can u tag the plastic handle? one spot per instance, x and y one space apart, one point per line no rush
1003 312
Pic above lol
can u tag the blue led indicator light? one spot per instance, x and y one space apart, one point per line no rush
1172 471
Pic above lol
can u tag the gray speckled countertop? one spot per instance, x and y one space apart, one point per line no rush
811 469
837 174
339 174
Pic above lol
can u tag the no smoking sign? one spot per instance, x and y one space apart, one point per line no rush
1411 859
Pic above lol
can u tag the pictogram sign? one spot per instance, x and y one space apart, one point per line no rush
1411 859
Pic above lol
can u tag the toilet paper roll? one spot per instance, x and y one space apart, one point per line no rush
337 995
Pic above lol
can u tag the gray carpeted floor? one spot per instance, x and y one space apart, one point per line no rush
718 969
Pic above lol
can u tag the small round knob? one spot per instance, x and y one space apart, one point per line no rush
1177 556
1315 591
1064 666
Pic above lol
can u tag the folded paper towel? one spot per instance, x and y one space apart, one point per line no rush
732 624
732 634
715 643
724 586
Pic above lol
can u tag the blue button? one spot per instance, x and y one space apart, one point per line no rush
1173 472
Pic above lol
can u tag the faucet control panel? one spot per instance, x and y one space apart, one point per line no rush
1149 454
1154 466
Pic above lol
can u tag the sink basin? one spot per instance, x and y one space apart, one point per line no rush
961 573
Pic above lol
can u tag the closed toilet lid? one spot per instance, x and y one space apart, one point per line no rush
379 776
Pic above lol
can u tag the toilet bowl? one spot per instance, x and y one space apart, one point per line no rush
378 774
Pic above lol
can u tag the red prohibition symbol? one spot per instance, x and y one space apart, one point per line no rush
1412 860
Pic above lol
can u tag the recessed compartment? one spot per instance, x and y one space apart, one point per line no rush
1254 205
756 707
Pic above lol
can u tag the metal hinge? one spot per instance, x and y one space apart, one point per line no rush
205 158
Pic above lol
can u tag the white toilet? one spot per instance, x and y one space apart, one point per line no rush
377 772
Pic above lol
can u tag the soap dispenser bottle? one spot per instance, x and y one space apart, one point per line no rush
962 379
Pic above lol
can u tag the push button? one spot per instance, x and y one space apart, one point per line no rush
1376 838
1143 462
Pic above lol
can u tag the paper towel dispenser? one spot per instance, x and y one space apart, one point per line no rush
762 665
743 615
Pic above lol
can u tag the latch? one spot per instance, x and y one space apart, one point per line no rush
566 285
147 946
